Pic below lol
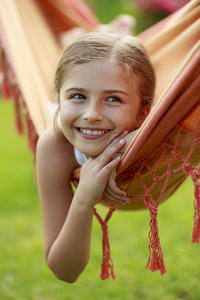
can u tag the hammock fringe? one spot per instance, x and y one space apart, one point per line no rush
107 267
156 260
10 89
196 229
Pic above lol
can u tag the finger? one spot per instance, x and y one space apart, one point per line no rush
113 187
109 166
119 137
117 143
116 192
120 200
117 197
120 194
112 149
106 156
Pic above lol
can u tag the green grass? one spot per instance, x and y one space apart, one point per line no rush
23 272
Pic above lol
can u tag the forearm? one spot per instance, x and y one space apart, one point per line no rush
70 252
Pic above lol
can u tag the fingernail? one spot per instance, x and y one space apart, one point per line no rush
122 141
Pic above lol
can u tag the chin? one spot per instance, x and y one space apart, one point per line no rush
92 154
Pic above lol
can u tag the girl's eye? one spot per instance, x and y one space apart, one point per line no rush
78 96
113 99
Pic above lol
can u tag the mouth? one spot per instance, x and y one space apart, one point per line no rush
92 132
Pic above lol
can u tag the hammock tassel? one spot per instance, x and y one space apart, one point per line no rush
156 260
107 268
195 176
196 229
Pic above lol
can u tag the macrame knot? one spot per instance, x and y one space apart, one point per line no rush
187 168
146 197
174 151
154 212
155 177
196 184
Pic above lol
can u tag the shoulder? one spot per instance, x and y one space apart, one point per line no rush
52 143
50 138
55 152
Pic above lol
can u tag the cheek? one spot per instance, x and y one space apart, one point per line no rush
67 115
66 122
127 121
64 118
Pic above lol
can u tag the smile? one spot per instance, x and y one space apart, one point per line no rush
92 133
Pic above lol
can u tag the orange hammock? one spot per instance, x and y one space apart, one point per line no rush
165 150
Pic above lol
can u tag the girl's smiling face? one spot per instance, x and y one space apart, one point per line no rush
98 101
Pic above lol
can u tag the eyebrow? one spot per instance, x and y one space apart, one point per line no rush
75 89
115 91
105 91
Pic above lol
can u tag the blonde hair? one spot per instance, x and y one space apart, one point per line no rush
126 51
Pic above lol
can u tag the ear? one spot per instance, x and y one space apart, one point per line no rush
142 114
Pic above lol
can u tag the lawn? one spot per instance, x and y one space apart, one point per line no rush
23 272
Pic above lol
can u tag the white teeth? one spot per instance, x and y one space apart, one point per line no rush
93 132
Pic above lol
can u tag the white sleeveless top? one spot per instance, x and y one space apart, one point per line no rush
80 157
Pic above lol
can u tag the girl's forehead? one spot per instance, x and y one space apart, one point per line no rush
100 68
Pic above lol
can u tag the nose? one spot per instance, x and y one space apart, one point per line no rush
93 113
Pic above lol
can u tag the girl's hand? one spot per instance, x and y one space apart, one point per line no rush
112 191
95 172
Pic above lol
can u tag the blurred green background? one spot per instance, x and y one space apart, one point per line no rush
23 272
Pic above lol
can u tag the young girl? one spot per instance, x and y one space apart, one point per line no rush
105 85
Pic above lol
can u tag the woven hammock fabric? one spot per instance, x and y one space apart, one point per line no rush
165 150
